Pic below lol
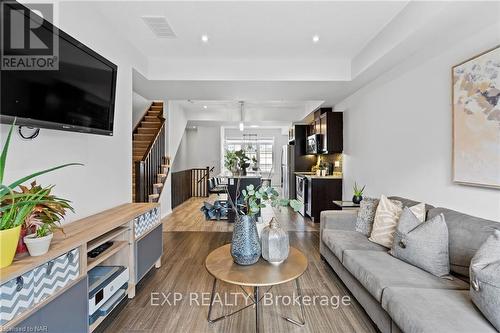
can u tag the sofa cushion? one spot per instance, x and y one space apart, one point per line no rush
366 216
466 234
377 270
340 240
386 221
434 310
422 244
410 203
485 279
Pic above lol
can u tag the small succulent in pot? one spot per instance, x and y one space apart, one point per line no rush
358 193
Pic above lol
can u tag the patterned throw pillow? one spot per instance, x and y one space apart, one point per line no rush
366 216
485 279
387 218
422 244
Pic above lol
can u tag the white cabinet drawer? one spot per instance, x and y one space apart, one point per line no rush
17 296
56 274
146 222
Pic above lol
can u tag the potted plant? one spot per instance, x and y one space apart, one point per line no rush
245 246
43 218
243 163
255 166
15 207
231 161
358 193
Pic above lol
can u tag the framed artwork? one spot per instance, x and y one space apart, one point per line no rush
476 120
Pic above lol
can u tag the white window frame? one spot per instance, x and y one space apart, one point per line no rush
235 143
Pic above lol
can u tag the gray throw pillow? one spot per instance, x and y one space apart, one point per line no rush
485 279
366 216
422 244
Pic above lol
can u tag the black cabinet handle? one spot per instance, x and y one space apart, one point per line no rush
19 283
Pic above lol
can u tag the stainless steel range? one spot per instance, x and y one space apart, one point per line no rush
301 192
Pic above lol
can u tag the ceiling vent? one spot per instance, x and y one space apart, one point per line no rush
159 26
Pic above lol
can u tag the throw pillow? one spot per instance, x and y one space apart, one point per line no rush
485 279
422 244
366 216
386 220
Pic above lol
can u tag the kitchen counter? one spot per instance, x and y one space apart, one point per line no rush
312 175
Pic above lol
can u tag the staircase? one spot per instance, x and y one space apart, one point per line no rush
150 165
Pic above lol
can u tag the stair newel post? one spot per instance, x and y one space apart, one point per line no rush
207 178
139 182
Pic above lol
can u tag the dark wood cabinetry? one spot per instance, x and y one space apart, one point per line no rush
321 192
329 125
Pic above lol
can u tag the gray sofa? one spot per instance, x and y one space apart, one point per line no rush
400 297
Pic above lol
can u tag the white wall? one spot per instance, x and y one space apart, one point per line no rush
398 133
139 106
105 180
199 148
280 140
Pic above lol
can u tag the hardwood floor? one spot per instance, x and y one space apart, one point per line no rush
182 271
187 217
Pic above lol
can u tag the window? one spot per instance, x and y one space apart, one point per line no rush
260 148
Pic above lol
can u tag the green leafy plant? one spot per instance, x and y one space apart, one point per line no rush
43 231
16 207
256 198
230 160
358 192
242 159
47 214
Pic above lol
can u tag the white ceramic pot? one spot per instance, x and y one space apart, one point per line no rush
37 246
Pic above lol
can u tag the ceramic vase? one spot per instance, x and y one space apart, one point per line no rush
245 247
275 243
8 243
38 246
357 199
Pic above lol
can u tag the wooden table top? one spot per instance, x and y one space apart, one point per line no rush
77 233
220 265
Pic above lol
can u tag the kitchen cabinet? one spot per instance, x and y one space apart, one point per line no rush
321 192
329 125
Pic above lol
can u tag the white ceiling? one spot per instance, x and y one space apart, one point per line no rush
262 52
253 29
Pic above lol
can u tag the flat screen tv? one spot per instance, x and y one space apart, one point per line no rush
79 96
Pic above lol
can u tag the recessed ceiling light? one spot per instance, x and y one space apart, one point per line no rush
242 126
204 38
205 107
315 38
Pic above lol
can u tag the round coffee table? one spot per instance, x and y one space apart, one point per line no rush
221 266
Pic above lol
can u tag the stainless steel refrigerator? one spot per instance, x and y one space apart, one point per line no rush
287 171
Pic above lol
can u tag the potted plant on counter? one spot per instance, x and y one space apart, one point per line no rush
15 207
358 193
231 161
245 246
43 219
243 163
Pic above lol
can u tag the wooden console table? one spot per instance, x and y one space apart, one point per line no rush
38 291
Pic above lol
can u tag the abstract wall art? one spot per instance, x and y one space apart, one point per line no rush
476 120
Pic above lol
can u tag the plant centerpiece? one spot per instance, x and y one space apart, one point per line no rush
358 193
231 161
44 218
243 163
255 165
15 207
245 246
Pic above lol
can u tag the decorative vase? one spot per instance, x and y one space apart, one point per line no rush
275 243
245 246
38 246
8 244
243 171
357 199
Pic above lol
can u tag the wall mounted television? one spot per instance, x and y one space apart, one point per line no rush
79 96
